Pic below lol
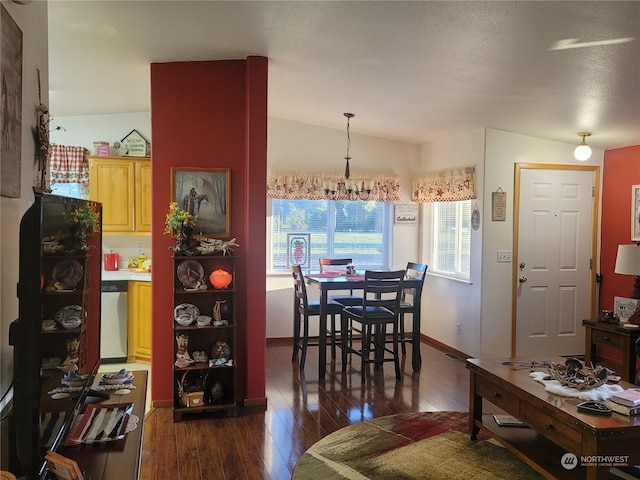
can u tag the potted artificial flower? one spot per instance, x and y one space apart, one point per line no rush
180 223
83 221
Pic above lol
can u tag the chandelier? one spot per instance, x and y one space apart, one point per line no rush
342 189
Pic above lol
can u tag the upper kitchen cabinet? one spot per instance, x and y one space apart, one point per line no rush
123 186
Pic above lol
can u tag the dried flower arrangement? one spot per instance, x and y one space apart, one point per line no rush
177 219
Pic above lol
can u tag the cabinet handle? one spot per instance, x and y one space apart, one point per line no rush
549 426
496 395
606 338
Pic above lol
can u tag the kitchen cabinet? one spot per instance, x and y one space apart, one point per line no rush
204 324
123 186
139 322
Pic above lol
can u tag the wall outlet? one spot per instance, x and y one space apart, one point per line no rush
504 256
458 328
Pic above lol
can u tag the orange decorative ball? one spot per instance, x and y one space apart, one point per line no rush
220 278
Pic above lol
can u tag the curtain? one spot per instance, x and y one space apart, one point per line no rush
445 186
69 164
297 185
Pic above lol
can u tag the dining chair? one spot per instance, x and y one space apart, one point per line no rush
409 298
380 309
303 309
347 300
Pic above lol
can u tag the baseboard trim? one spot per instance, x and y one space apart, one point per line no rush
443 347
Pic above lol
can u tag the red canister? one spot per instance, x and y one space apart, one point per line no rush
110 261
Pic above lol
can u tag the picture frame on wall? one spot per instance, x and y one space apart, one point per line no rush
635 213
299 249
204 192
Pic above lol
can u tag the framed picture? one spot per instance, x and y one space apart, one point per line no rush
298 249
635 213
204 192
405 214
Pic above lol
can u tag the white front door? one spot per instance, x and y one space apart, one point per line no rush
553 277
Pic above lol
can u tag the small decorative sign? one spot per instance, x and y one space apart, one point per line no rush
298 249
624 307
135 145
499 205
405 214
475 218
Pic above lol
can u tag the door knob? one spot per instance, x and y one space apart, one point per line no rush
522 279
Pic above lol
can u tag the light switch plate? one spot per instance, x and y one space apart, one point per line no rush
504 256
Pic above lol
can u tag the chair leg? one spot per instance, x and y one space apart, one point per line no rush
333 336
402 336
364 351
396 357
345 340
296 335
305 342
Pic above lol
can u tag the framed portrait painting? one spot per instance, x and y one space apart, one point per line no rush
635 213
204 192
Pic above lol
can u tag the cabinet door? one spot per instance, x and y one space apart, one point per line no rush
139 322
143 196
111 183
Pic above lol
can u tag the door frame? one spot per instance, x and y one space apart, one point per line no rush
595 199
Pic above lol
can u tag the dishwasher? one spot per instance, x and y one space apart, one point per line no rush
113 321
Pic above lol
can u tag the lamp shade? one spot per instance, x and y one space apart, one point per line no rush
628 260
582 152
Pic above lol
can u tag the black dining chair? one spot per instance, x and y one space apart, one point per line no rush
380 309
410 298
345 300
303 309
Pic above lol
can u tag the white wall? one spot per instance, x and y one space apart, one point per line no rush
32 20
482 307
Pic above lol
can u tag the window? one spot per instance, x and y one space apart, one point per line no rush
452 239
352 229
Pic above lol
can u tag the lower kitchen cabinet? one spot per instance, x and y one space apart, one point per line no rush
139 322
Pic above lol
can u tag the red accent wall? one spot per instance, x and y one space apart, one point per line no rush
213 115
621 169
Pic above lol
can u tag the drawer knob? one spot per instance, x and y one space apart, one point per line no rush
549 426
496 395
606 338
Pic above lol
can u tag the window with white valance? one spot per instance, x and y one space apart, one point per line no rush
445 186
297 185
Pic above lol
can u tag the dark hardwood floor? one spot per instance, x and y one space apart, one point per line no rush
267 444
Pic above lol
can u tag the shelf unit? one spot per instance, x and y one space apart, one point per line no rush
218 383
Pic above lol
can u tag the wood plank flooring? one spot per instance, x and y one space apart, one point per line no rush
300 411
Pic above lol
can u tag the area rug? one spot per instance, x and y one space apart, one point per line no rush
410 446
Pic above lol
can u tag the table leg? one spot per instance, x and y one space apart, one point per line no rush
416 357
322 334
475 407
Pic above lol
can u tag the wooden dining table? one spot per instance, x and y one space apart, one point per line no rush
328 281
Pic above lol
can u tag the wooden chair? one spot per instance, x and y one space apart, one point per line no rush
409 298
347 300
380 308
302 310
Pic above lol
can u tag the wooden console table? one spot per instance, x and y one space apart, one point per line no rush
616 337
556 425
119 459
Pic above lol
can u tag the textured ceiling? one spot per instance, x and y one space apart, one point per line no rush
411 71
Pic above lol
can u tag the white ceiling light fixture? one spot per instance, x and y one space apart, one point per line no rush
347 158
583 151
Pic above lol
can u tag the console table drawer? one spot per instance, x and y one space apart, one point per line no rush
498 395
556 431
605 338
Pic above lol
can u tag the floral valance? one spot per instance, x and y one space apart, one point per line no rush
69 164
445 186
296 185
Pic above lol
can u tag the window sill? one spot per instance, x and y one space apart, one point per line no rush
449 277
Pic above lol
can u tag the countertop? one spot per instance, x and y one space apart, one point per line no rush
126 275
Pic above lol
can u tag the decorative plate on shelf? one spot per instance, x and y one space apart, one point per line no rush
186 312
190 273
69 315
67 273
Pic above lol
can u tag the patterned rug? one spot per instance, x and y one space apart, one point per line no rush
410 446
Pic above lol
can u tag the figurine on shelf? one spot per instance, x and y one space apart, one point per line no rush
183 341
73 345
